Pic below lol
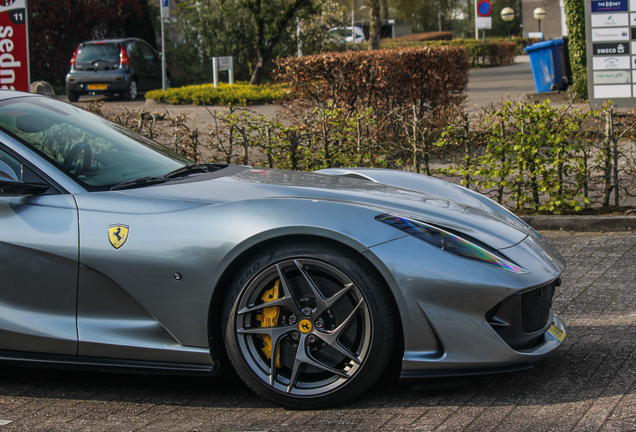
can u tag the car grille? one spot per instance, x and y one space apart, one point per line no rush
521 318
535 308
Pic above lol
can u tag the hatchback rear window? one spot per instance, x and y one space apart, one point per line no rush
105 52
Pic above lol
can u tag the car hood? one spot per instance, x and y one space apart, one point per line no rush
411 195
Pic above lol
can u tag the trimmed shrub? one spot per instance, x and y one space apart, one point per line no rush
240 93
382 80
429 36
493 52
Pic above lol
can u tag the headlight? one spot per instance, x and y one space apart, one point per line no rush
449 242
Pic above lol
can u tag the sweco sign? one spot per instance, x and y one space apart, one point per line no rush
14 46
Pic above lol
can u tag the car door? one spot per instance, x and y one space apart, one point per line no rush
153 64
139 65
38 267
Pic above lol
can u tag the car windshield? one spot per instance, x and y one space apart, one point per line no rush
95 152
96 52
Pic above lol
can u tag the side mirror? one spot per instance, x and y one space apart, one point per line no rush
20 188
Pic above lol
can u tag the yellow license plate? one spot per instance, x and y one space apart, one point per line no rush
556 333
96 86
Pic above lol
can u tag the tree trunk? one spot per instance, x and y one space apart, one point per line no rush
257 73
385 9
374 36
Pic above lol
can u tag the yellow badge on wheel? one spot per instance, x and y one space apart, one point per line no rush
117 234
304 326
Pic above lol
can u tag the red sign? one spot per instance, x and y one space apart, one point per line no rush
14 46
484 8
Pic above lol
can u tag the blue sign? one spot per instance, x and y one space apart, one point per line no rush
484 8
164 3
609 6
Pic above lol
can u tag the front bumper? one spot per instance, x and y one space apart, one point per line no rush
444 304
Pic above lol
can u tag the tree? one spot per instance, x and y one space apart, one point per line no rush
374 36
314 30
252 31
56 28
272 20
426 15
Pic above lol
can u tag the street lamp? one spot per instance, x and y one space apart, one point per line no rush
507 14
539 14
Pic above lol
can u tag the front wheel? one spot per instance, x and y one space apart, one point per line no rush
309 325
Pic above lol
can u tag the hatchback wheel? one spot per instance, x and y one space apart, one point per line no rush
131 92
72 96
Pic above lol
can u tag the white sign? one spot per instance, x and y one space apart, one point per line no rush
620 77
165 8
632 19
632 5
611 63
483 22
534 35
612 91
610 20
224 63
633 76
610 34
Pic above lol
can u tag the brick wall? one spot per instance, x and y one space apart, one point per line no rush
551 25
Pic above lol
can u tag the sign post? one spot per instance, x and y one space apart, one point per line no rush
611 49
165 13
14 46
222 64
482 18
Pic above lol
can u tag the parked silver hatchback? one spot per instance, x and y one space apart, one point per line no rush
127 67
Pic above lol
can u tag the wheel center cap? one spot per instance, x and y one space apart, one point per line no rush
304 326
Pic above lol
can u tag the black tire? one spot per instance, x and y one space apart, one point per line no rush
329 343
72 96
132 91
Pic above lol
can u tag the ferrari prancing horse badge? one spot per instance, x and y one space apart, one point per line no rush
117 234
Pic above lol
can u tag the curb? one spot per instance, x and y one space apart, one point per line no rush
581 223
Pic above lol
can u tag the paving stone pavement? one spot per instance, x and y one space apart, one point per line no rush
589 384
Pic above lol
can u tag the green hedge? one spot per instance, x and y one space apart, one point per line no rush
575 19
241 93
493 52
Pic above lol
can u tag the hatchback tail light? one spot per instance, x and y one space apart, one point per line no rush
74 56
123 56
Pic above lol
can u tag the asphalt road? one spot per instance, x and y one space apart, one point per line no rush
491 85
588 384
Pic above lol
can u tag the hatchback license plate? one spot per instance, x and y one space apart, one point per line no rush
556 333
96 86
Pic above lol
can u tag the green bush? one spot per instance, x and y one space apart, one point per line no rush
540 158
240 93
185 65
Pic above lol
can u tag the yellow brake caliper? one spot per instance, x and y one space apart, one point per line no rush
269 318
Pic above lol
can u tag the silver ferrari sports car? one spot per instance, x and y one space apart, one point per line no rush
116 253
